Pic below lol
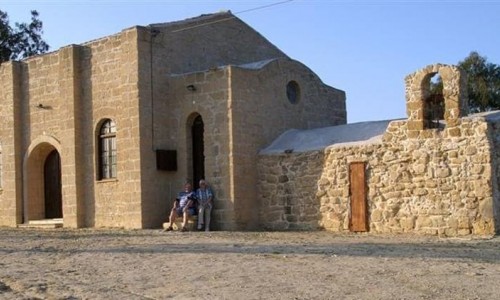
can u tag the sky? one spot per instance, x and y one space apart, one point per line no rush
365 47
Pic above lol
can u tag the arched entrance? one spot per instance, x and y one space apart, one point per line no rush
42 181
52 186
197 130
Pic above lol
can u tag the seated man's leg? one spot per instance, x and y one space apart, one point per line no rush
208 211
173 214
187 212
171 218
185 216
201 212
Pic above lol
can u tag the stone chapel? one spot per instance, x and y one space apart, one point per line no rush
104 134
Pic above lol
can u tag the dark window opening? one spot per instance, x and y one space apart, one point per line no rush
293 92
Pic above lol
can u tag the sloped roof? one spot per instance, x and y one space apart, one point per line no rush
199 19
251 66
362 133
316 139
489 116
256 65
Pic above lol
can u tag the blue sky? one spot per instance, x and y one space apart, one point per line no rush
365 48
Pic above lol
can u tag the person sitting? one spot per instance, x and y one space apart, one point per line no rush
184 205
205 203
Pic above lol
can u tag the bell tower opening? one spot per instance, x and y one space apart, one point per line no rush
434 103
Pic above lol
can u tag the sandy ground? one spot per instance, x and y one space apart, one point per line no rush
150 264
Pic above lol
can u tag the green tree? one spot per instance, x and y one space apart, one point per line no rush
483 83
22 40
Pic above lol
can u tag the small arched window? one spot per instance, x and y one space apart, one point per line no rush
107 150
293 92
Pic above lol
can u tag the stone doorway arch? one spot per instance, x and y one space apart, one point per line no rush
42 181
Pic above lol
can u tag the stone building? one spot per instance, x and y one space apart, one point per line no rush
104 134
437 172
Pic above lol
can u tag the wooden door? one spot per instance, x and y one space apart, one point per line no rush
52 184
359 209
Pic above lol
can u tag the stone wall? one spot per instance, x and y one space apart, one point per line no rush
57 102
417 179
10 143
111 87
494 127
242 110
438 185
180 106
261 111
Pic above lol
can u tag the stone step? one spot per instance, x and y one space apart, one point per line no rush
191 224
45 223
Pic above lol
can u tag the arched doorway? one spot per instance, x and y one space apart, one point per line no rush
42 183
197 130
52 186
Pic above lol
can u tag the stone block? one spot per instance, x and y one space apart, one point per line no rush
283 179
413 134
482 227
486 208
463 222
376 215
407 223
423 222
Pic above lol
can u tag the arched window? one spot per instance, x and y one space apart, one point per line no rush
293 92
107 150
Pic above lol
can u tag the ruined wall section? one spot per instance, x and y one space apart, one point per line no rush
429 181
288 189
432 186
439 185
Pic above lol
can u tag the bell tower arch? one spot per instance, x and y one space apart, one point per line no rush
420 102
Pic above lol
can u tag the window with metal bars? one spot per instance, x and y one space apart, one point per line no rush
107 150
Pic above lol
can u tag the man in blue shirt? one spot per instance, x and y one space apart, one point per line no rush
204 196
184 205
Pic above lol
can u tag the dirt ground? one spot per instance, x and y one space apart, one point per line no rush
151 264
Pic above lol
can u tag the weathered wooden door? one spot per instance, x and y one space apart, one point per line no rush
359 210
